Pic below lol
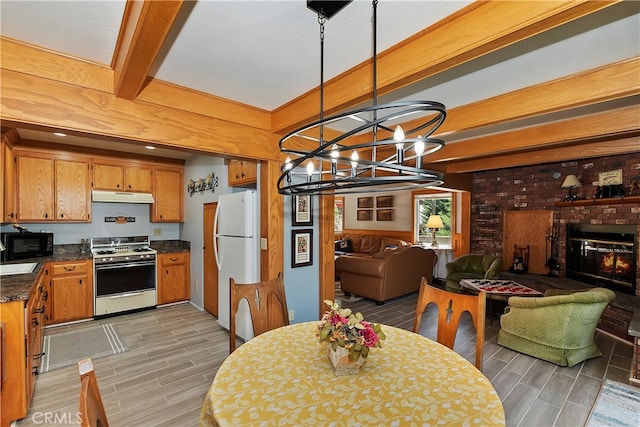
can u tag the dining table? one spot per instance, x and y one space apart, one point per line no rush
284 378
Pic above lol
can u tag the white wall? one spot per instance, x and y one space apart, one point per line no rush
199 167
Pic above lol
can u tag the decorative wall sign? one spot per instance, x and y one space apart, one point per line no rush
121 219
202 184
613 177
301 209
301 248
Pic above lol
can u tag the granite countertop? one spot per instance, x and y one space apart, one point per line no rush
16 287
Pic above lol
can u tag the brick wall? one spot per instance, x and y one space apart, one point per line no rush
539 187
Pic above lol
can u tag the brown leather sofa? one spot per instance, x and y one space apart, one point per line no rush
387 274
366 245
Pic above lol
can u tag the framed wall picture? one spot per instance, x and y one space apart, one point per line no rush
364 215
365 202
384 215
384 201
301 248
302 210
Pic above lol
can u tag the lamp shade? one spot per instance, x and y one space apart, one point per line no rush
571 181
435 221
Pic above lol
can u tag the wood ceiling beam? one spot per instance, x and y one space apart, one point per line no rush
29 100
618 123
145 27
476 30
41 63
556 154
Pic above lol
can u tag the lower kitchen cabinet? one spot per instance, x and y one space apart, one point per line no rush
22 335
71 291
173 277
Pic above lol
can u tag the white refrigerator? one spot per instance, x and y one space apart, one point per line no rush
237 251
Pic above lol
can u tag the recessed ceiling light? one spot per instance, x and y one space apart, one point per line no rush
59 134
149 147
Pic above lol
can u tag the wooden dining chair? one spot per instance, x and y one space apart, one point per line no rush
91 409
267 306
450 307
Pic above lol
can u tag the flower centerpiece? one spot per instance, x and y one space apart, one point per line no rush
348 336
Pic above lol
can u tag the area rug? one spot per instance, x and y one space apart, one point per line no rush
67 348
617 405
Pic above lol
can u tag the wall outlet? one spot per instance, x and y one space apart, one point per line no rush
196 285
157 231
263 243
290 315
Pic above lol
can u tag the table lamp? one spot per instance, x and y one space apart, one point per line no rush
434 223
571 182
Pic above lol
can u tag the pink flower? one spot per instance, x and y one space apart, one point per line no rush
369 335
337 319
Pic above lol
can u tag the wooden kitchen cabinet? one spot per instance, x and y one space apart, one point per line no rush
72 190
21 351
137 178
52 189
35 188
242 172
168 195
173 277
71 291
9 188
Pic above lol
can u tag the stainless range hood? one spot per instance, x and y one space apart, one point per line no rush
121 197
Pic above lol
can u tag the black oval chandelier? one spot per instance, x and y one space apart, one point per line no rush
363 150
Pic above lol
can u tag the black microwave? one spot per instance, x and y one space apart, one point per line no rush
26 245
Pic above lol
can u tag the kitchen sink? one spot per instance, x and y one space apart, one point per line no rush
22 268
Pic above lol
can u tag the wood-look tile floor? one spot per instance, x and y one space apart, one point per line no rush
175 351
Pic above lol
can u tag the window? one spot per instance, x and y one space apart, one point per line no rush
433 204
338 214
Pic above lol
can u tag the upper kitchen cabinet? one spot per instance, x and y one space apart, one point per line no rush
137 178
72 190
9 179
168 194
242 173
52 189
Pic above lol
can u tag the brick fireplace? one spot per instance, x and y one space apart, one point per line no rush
539 187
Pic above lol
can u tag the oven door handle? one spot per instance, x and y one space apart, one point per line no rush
130 294
125 265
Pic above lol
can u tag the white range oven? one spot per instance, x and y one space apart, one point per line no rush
124 274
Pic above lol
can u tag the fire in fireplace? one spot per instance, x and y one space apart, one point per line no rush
604 255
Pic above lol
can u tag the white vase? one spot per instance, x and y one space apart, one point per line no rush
340 361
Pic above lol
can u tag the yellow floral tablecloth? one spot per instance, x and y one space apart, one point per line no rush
283 377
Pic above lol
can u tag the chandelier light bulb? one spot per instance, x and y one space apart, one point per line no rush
419 148
354 163
309 171
398 134
287 163
334 159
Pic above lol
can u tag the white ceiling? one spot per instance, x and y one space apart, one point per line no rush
266 53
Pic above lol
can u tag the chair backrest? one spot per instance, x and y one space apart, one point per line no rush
450 307
91 409
267 305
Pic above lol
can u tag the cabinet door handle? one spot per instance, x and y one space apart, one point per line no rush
174 259
11 215
45 296
70 268
38 310
80 281
38 356
35 321
61 215
46 215
167 271
35 371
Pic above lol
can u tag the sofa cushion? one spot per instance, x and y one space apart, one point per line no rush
370 244
344 246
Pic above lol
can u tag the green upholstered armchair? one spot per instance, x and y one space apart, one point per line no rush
472 266
558 327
